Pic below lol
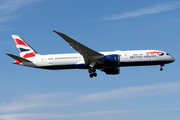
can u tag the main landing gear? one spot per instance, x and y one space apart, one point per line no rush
92 72
161 69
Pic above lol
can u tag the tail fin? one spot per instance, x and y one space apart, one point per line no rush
24 49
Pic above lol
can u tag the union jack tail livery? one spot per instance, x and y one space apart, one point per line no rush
24 49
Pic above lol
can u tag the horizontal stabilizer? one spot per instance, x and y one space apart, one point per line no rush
18 58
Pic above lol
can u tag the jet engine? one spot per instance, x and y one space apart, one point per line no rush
111 71
113 60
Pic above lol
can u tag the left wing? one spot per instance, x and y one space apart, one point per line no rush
90 56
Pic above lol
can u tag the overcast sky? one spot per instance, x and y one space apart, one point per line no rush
142 93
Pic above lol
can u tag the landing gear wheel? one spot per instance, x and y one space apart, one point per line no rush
94 74
90 75
161 69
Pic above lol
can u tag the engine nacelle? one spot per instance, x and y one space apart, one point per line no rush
112 71
112 59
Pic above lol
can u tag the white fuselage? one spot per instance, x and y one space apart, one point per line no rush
76 60
86 58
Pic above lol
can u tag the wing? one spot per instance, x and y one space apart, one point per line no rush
88 54
18 58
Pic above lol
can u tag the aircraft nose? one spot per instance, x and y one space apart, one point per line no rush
172 59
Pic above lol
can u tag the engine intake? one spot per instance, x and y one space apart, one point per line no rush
112 59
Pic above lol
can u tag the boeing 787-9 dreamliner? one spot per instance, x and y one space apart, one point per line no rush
86 58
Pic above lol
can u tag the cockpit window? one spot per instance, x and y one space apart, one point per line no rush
167 54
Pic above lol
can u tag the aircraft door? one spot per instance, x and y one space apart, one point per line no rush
43 61
126 57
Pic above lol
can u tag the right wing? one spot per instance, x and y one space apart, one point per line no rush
88 54
18 58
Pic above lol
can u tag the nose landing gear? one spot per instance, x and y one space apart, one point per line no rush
161 69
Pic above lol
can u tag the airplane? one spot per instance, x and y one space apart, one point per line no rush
86 58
